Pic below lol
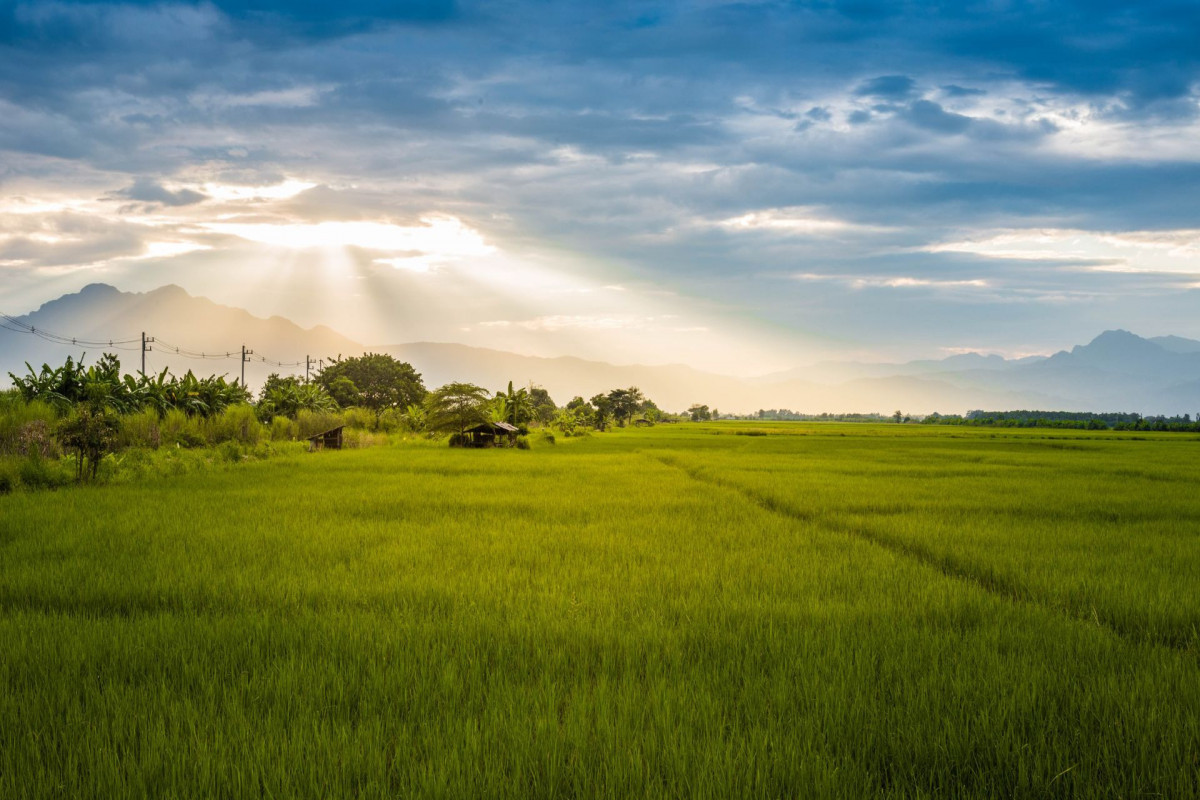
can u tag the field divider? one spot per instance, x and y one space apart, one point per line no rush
987 580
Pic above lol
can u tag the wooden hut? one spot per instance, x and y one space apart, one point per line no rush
643 423
492 434
329 440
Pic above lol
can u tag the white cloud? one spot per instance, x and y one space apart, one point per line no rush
1174 251
436 235
889 282
796 220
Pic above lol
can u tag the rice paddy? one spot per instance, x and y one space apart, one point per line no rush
811 610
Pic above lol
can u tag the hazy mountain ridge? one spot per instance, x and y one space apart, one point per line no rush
1116 371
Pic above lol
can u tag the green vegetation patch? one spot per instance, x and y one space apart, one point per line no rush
851 612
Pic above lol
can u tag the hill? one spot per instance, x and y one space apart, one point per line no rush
1116 371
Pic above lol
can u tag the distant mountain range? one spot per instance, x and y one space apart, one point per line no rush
1116 371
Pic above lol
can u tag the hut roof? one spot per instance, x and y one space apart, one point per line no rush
326 433
494 426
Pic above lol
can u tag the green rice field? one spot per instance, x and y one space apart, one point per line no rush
747 610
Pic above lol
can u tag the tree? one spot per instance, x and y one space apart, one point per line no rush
343 391
517 406
456 407
699 413
625 402
375 380
898 416
544 409
602 411
566 421
91 433
287 397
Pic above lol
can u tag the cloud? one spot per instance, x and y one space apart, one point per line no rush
149 191
697 147
888 282
888 87
798 221
932 117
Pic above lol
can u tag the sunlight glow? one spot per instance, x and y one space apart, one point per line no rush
794 220
278 191
442 236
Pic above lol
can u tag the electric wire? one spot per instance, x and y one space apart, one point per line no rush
10 323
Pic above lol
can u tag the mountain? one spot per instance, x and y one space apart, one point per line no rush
830 372
1116 371
174 318
1177 344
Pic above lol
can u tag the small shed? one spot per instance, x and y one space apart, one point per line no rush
492 434
643 423
329 440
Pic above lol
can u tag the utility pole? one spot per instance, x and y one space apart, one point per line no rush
307 366
146 348
245 353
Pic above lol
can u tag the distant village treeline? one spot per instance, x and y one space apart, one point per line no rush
1077 420
1117 421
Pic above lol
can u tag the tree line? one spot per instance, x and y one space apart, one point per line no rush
1069 420
90 403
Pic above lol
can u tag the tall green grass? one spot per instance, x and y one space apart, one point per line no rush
657 613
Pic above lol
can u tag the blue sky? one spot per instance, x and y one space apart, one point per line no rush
740 186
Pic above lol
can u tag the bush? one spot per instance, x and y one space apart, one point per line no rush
41 473
390 421
459 440
548 437
8 476
310 423
236 423
353 438
177 428
229 451
522 443
19 418
282 430
140 429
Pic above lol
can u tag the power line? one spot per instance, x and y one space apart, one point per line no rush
15 325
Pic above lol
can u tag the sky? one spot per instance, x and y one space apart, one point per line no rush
744 187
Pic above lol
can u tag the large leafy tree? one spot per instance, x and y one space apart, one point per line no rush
375 380
625 403
456 407
544 409
602 411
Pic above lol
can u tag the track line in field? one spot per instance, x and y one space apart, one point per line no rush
990 582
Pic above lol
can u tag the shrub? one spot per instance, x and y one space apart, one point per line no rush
229 451
282 430
89 434
459 440
391 420
522 443
237 423
310 423
35 439
548 437
8 476
17 417
42 473
140 429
